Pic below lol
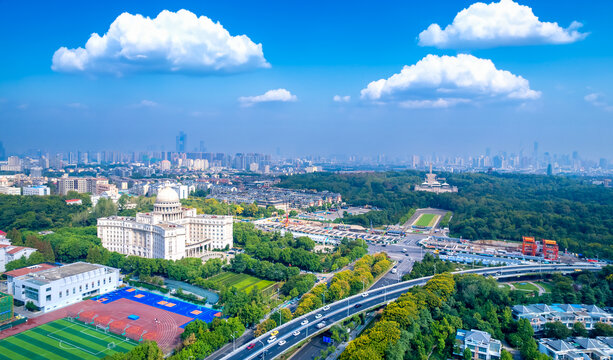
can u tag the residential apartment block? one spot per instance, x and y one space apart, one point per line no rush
480 343
568 314
600 348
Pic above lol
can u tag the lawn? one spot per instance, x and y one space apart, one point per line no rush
242 282
426 220
545 285
525 286
63 339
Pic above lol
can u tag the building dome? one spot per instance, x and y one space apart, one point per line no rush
167 195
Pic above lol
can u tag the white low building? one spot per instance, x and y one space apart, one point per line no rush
61 286
9 190
10 253
39 190
169 232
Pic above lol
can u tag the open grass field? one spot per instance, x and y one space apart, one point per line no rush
524 286
63 339
545 285
242 282
426 220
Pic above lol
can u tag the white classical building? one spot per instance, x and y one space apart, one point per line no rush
169 232
56 287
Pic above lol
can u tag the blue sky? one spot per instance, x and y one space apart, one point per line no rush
315 50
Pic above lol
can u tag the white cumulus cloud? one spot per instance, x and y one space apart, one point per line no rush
276 95
443 81
172 42
598 100
498 24
339 98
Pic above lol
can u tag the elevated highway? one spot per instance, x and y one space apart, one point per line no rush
319 320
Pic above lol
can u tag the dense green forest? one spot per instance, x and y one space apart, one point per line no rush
296 252
39 212
488 206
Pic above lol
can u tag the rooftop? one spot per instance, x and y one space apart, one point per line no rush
57 273
29 269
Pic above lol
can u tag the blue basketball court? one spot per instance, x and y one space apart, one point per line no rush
161 302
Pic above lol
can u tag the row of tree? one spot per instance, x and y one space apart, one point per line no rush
345 283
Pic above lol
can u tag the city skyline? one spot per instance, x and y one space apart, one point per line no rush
342 85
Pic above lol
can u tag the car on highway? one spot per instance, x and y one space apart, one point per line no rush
364 294
282 342
304 322
296 333
357 306
321 324
327 307
272 339
250 346
394 271
317 316
274 333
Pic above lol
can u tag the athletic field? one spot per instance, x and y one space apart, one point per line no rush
426 220
63 339
242 282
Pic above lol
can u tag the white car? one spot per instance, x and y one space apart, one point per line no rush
327 307
282 342
272 339
318 316
304 322
321 324
364 294
296 333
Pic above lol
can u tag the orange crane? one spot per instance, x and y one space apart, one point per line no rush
550 249
529 246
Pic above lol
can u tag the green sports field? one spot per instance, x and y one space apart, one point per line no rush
426 220
242 282
63 339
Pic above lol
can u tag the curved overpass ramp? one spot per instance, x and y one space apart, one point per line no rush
350 306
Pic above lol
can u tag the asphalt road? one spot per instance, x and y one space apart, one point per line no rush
336 313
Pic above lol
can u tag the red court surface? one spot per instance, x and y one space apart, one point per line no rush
165 331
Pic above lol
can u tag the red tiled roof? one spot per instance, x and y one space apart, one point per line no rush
29 270
73 200
17 249
2 233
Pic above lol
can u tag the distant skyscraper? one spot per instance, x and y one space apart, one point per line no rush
202 148
181 142
2 152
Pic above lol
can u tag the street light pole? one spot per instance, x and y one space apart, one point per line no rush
263 350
